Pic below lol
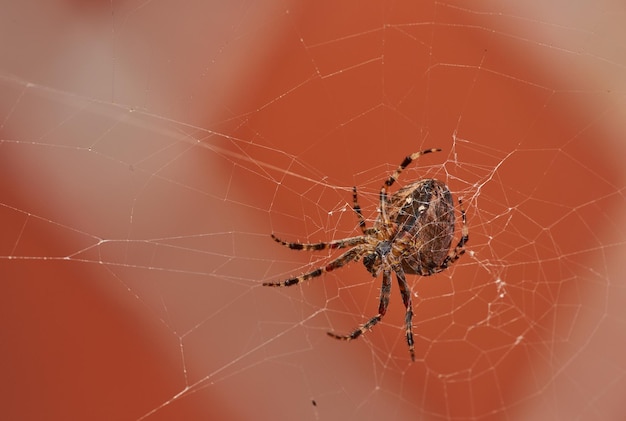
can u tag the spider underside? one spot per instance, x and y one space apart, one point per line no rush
412 235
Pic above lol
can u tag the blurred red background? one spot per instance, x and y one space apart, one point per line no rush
148 150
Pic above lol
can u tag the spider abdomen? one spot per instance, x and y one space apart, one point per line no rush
424 214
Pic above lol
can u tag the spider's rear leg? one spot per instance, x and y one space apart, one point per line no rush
459 249
385 291
392 179
357 209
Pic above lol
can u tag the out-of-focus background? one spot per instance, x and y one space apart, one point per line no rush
149 148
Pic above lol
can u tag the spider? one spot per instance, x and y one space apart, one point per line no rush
411 235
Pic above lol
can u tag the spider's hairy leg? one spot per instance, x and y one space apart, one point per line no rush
385 292
357 209
459 249
337 244
392 179
408 318
347 257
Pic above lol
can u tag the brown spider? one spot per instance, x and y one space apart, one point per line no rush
412 234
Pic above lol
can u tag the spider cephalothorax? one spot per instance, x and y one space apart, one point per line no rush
412 234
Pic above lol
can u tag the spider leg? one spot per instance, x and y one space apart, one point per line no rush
392 179
347 257
459 249
406 299
357 209
337 244
385 291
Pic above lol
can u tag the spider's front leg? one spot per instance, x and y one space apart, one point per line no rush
385 292
345 258
406 299
336 244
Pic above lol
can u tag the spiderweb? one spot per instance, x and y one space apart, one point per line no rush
149 149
